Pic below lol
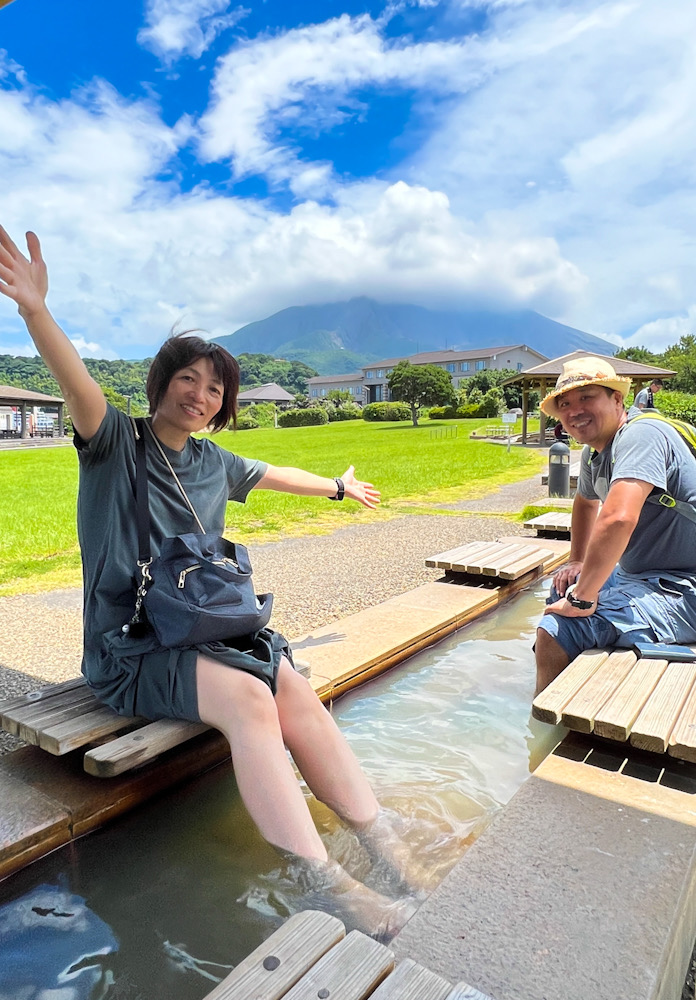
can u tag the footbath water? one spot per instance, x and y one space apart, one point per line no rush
168 899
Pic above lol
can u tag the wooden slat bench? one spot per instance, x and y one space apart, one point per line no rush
504 560
557 522
649 703
311 957
574 473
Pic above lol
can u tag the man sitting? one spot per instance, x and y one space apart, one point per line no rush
651 595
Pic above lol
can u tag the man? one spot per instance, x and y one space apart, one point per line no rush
651 595
645 399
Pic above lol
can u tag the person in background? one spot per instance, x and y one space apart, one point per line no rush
631 576
645 399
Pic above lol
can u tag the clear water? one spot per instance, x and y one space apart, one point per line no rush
167 900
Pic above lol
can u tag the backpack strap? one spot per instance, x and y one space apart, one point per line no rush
659 496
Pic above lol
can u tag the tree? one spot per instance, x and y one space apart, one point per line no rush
681 358
420 385
640 354
339 397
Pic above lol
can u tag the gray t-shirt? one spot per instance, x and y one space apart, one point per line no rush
643 400
106 520
654 453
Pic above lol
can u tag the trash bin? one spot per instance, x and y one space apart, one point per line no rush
559 470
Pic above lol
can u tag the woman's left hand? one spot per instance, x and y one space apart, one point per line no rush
364 493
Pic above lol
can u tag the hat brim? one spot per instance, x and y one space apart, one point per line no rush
619 384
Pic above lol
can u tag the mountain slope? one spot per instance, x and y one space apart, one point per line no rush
341 336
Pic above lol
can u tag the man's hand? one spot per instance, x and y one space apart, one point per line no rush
565 576
24 281
566 609
364 493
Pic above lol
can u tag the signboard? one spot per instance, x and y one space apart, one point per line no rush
509 418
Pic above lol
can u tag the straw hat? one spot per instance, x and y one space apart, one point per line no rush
585 371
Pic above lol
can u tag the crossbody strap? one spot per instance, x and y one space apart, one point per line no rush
176 478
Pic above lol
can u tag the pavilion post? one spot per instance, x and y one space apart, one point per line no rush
24 432
61 426
525 406
542 415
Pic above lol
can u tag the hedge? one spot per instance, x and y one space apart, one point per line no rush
344 413
303 418
680 405
460 412
246 421
386 411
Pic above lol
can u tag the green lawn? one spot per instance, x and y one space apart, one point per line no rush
413 467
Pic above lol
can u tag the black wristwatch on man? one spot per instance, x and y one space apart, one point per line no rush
340 489
574 601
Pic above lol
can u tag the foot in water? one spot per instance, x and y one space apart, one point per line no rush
330 887
393 860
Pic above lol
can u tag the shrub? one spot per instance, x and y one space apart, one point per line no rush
246 420
386 411
680 405
303 418
348 412
470 410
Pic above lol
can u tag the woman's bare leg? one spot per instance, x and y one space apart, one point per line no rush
242 707
321 751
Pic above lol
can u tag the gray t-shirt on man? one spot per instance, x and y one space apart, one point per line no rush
655 453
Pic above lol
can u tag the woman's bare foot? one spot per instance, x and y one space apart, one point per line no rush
392 858
331 887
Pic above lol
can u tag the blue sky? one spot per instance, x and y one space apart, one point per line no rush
209 163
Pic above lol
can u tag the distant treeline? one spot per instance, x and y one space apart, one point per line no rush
126 379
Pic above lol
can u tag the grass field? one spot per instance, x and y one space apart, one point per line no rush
413 467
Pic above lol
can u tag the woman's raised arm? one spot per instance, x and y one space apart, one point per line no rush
26 283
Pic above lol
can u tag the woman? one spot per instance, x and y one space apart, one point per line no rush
249 690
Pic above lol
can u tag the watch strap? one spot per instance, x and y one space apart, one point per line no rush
340 489
575 602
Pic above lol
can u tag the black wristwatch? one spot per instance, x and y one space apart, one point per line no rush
575 602
341 490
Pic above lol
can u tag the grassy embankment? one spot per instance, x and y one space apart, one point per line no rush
413 467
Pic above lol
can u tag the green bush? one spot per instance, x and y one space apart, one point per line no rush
350 411
386 411
246 420
470 410
680 405
303 418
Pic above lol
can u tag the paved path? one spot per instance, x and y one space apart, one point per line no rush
315 580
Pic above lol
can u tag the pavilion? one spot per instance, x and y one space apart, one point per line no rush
271 392
10 395
543 377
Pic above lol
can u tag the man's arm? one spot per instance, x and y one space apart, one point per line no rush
582 522
607 542
26 283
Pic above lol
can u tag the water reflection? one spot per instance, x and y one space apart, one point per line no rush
164 902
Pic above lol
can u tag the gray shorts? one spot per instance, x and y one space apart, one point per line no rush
629 610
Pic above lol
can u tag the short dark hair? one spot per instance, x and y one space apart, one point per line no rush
182 350
657 381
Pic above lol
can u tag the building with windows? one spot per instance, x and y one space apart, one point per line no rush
370 385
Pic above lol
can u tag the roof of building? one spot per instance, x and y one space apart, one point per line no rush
271 392
553 368
12 395
438 357
353 377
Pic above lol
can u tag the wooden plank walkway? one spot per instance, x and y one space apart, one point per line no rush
506 560
649 703
311 957
555 521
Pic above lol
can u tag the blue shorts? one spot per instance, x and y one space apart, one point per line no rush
629 610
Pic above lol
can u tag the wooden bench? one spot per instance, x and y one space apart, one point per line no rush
503 560
68 716
574 473
311 957
556 522
649 703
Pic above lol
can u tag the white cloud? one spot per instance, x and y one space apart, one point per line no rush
662 333
186 27
306 74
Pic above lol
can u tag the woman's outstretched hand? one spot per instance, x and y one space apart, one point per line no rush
364 493
24 281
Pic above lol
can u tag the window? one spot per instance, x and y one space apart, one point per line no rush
480 365
389 371
519 366
463 366
323 392
450 367
314 392
369 374
380 373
